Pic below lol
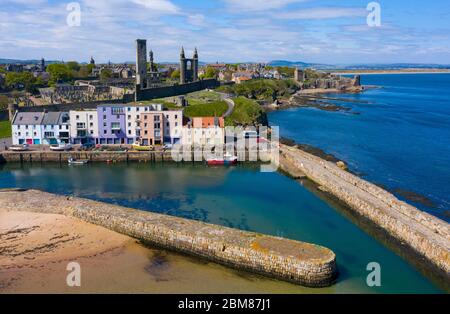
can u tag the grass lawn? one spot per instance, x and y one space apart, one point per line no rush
246 112
216 108
5 129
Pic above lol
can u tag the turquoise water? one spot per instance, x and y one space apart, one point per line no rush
240 197
399 138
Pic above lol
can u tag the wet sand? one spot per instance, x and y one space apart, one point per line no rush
36 248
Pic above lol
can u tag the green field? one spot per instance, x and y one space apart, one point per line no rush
5 129
216 108
246 112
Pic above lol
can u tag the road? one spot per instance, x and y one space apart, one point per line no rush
230 103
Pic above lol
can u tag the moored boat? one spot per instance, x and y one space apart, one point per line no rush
227 159
73 161
61 147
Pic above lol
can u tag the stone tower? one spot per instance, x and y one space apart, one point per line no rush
299 75
188 67
42 65
195 65
183 66
141 63
92 61
151 62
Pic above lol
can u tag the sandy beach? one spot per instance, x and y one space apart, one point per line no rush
36 248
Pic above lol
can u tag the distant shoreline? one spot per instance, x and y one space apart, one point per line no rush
387 72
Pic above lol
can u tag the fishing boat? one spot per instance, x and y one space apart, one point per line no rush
227 159
73 161
19 148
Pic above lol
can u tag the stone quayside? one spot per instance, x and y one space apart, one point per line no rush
294 261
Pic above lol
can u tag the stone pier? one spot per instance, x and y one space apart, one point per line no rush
429 236
294 261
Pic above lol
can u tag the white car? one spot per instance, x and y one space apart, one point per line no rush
19 148
61 147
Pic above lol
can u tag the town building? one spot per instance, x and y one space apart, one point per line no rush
111 124
27 128
160 127
84 126
55 128
133 120
204 131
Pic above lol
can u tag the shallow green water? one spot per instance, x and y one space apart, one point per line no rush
240 197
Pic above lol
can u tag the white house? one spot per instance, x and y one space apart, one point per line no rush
55 128
27 128
84 126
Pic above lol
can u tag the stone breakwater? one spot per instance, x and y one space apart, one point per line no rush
427 235
298 262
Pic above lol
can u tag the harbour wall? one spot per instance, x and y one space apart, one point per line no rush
294 261
92 156
427 235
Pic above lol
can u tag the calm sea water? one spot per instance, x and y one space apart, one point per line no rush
240 197
399 138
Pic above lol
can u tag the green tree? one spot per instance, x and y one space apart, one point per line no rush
210 73
90 67
59 73
175 74
3 102
14 79
73 66
105 74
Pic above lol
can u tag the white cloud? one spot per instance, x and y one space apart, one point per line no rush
158 5
259 5
322 13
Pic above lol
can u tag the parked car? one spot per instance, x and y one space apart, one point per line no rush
87 146
19 148
61 147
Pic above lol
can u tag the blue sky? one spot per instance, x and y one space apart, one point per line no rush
323 31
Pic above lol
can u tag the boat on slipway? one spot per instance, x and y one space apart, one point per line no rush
73 161
227 159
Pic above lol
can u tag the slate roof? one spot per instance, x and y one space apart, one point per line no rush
28 118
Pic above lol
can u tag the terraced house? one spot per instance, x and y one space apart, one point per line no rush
35 128
27 128
133 120
111 124
56 128
161 127
84 126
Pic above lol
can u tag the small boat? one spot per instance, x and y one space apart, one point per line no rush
73 161
227 159
60 147
19 148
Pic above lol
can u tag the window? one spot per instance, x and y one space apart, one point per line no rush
105 124
104 109
52 126
18 133
176 116
115 126
60 127
117 117
137 108
145 132
156 118
145 117
77 117
81 125
91 124
92 132
129 117
176 123
129 132
104 132
26 127
129 109
104 117
167 124
157 125
49 134
129 124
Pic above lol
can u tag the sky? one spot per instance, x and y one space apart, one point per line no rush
314 31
